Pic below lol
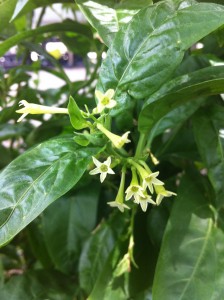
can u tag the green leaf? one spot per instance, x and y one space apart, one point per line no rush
108 16
37 178
211 148
109 253
66 25
219 276
6 11
188 255
145 54
37 243
94 256
39 284
179 91
67 223
81 140
76 118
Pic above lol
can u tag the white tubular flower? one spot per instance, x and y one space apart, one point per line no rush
134 189
119 201
35 109
161 193
151 180
117 141
104 100
120 206
144 201
102 168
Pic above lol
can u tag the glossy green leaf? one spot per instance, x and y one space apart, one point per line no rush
218 291
99 271
37 178
175 117
66 25
94 255
108 16
146 51
211 148
179 91
67 223
81 140
6 11
188 255
37 243
76 118
99 256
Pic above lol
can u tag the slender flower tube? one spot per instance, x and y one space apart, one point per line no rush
35 109
102 168
119 201
161 193
104 100
117 141
134 189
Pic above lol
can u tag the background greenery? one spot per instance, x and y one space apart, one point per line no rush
168 88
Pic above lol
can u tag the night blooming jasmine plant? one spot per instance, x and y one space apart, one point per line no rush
117 193
144 182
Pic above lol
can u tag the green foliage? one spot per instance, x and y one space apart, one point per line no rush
153 107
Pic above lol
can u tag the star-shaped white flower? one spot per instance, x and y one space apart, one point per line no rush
144 201
151 180
134 190
35 109
102 168
161 193
104 100
120 206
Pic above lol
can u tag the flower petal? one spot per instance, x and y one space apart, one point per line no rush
157 181
111 104
110 171
103 175
99 95
96 162
143 204
108 161
109 93
95 171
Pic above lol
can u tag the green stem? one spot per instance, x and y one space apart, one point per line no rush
141 145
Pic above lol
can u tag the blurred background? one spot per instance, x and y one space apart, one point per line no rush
47 53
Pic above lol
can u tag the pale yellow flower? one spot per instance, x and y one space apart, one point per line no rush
119 201
117 141
104 100
151 180
102 168
144 201
35 109
119 205
161 193
134 189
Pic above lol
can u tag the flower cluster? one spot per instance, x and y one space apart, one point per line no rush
143 184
